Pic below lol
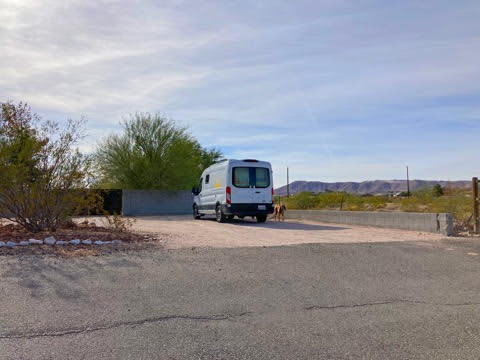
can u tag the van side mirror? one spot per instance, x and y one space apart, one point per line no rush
195 190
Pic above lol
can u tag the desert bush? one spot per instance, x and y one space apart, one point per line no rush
41 169
119 223
303 200
437 190
336 201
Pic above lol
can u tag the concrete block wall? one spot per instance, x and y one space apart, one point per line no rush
156 202
429 222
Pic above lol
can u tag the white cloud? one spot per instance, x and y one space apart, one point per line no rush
317 85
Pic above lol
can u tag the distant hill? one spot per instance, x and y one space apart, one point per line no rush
366 187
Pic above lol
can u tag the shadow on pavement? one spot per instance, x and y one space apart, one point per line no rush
67 279
281 225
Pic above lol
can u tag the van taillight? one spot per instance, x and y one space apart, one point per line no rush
273 192
228 193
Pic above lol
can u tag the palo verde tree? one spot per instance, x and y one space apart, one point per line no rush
152 153
41 171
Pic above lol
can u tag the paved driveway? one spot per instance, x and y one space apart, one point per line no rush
183 231
388 300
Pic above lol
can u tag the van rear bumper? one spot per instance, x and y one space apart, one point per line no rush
246 209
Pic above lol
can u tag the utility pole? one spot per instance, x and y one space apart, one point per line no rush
288 185
408 184
475 204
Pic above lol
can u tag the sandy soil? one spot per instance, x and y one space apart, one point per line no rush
184 232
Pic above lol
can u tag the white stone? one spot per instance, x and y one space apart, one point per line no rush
23 243
75 242
50 240
107 242
99 242
11 244
35 241
60 242
87 242
2 244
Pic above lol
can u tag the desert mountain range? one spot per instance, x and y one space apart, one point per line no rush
366 187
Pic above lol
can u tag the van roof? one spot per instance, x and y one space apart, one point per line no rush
226 162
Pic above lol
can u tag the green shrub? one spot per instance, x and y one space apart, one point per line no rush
42 171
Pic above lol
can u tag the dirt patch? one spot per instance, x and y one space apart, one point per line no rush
13 232
184 232
129 240
392 207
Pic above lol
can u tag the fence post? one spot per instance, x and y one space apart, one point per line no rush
475 204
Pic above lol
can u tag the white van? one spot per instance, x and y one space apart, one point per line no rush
231 188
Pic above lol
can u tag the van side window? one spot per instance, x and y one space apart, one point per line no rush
207 179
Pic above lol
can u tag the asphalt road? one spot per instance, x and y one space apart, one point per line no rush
395 300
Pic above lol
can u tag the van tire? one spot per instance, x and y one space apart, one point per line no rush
219 215
261 218
196 215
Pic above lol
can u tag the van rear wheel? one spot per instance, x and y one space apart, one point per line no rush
219 215
261 218
196 215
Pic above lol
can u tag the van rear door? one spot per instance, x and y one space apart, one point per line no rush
261 177
251 185
242 192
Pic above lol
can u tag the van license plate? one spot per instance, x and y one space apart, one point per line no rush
262 207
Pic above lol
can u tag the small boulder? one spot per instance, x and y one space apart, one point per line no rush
35 242
23 243
116 241
99 242
2 244
11 244
75 242
50 240
60 242
87 242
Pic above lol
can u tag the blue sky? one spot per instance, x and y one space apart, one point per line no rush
336 90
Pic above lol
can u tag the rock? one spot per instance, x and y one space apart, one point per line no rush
87 242
2 244
23 243
50 240
60 242
75 242
107 242
99 242
35 242
11 244
116 241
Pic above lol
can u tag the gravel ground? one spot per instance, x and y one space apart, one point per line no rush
184 232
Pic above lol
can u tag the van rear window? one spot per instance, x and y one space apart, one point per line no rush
245 177
241 177
262 177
